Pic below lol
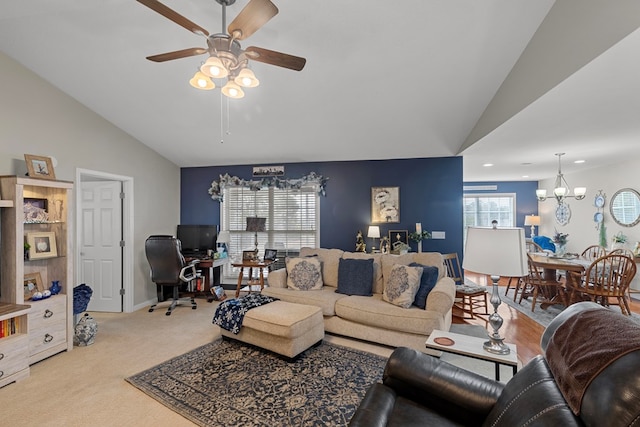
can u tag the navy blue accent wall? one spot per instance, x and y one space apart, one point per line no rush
430 193
526 201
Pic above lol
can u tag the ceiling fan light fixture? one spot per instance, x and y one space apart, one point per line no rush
246 78
201 81
213 67
232 90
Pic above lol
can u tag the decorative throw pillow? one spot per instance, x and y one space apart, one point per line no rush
355 277
403 285
304 274
427 282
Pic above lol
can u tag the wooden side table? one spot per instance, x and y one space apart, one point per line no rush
260 265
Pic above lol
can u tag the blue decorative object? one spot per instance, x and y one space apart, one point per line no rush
55 287
81 296
545 243
230 314
355 277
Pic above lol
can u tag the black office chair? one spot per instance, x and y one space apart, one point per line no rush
168 268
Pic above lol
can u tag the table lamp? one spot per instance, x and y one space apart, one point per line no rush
256 224
373 233
224 238
532 220
496 252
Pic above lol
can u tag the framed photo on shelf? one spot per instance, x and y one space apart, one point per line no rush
42 244
385 204
35 210
398 239
249 256
39 167
32 284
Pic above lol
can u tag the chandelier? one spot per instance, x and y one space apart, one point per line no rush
561 189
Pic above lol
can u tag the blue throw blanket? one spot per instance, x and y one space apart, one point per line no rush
230 314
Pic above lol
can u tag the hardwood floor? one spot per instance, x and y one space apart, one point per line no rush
517 328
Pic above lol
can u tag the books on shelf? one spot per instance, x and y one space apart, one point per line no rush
9 327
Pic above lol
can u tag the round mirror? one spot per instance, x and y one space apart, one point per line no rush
625 207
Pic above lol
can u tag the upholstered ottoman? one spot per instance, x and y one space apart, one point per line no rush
282 327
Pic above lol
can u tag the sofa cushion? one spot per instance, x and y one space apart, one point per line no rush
304 274
375 312
425 258
402 285
427 282
325 298
355 276
377 267
329 259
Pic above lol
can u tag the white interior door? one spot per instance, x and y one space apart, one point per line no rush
100 249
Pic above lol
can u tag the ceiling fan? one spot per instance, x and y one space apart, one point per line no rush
226 57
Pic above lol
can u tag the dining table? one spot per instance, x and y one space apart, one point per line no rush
550 265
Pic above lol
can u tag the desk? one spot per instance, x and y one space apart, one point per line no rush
473 347
212 273
260 265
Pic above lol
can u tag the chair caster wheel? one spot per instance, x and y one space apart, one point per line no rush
168 313
151 310
193 308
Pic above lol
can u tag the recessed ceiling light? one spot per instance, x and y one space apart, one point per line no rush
579 161
487 165
525 176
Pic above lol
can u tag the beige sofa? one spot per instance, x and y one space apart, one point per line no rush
371 318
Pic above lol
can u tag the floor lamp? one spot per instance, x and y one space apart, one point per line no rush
496 252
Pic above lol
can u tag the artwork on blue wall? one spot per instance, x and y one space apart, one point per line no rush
385 204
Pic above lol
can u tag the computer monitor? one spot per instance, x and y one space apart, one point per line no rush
196 240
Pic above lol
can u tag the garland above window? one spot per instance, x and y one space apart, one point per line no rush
217 187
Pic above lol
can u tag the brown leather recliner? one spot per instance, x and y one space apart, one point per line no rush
596 369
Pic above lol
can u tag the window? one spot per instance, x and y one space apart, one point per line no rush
481 209
293 218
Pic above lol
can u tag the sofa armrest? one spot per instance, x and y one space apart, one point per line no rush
454 392
277 278
441 297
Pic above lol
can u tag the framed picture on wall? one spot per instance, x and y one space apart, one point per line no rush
385 204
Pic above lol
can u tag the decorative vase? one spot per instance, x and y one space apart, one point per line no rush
420 246
561 249
85 331
55 287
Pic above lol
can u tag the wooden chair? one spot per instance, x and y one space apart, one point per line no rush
623 251
594 252
452 263
519 282
536 286
605 279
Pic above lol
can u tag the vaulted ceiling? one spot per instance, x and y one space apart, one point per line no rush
497 81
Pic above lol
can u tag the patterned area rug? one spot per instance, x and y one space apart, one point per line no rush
228 383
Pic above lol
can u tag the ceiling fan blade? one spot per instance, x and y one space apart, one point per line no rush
174 16
275 58
254 15
162 57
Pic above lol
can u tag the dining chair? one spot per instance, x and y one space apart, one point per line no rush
594 252
534 285
531 246
623 251
607 278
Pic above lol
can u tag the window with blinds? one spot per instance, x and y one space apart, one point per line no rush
293 218
481 209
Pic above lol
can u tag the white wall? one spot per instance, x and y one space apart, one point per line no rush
36 118
581 228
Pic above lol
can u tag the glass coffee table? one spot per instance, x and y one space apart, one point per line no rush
469 346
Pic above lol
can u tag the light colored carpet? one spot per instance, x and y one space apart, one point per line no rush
87 385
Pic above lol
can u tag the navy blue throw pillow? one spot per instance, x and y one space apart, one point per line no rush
355 277
427 282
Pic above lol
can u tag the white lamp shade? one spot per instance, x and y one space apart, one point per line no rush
541 193
201 81
560 191
246 78
580 191
373 232
532 220
224 237
213 67
497 252
232 90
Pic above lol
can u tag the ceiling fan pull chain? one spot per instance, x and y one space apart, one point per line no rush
228 118
221 121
